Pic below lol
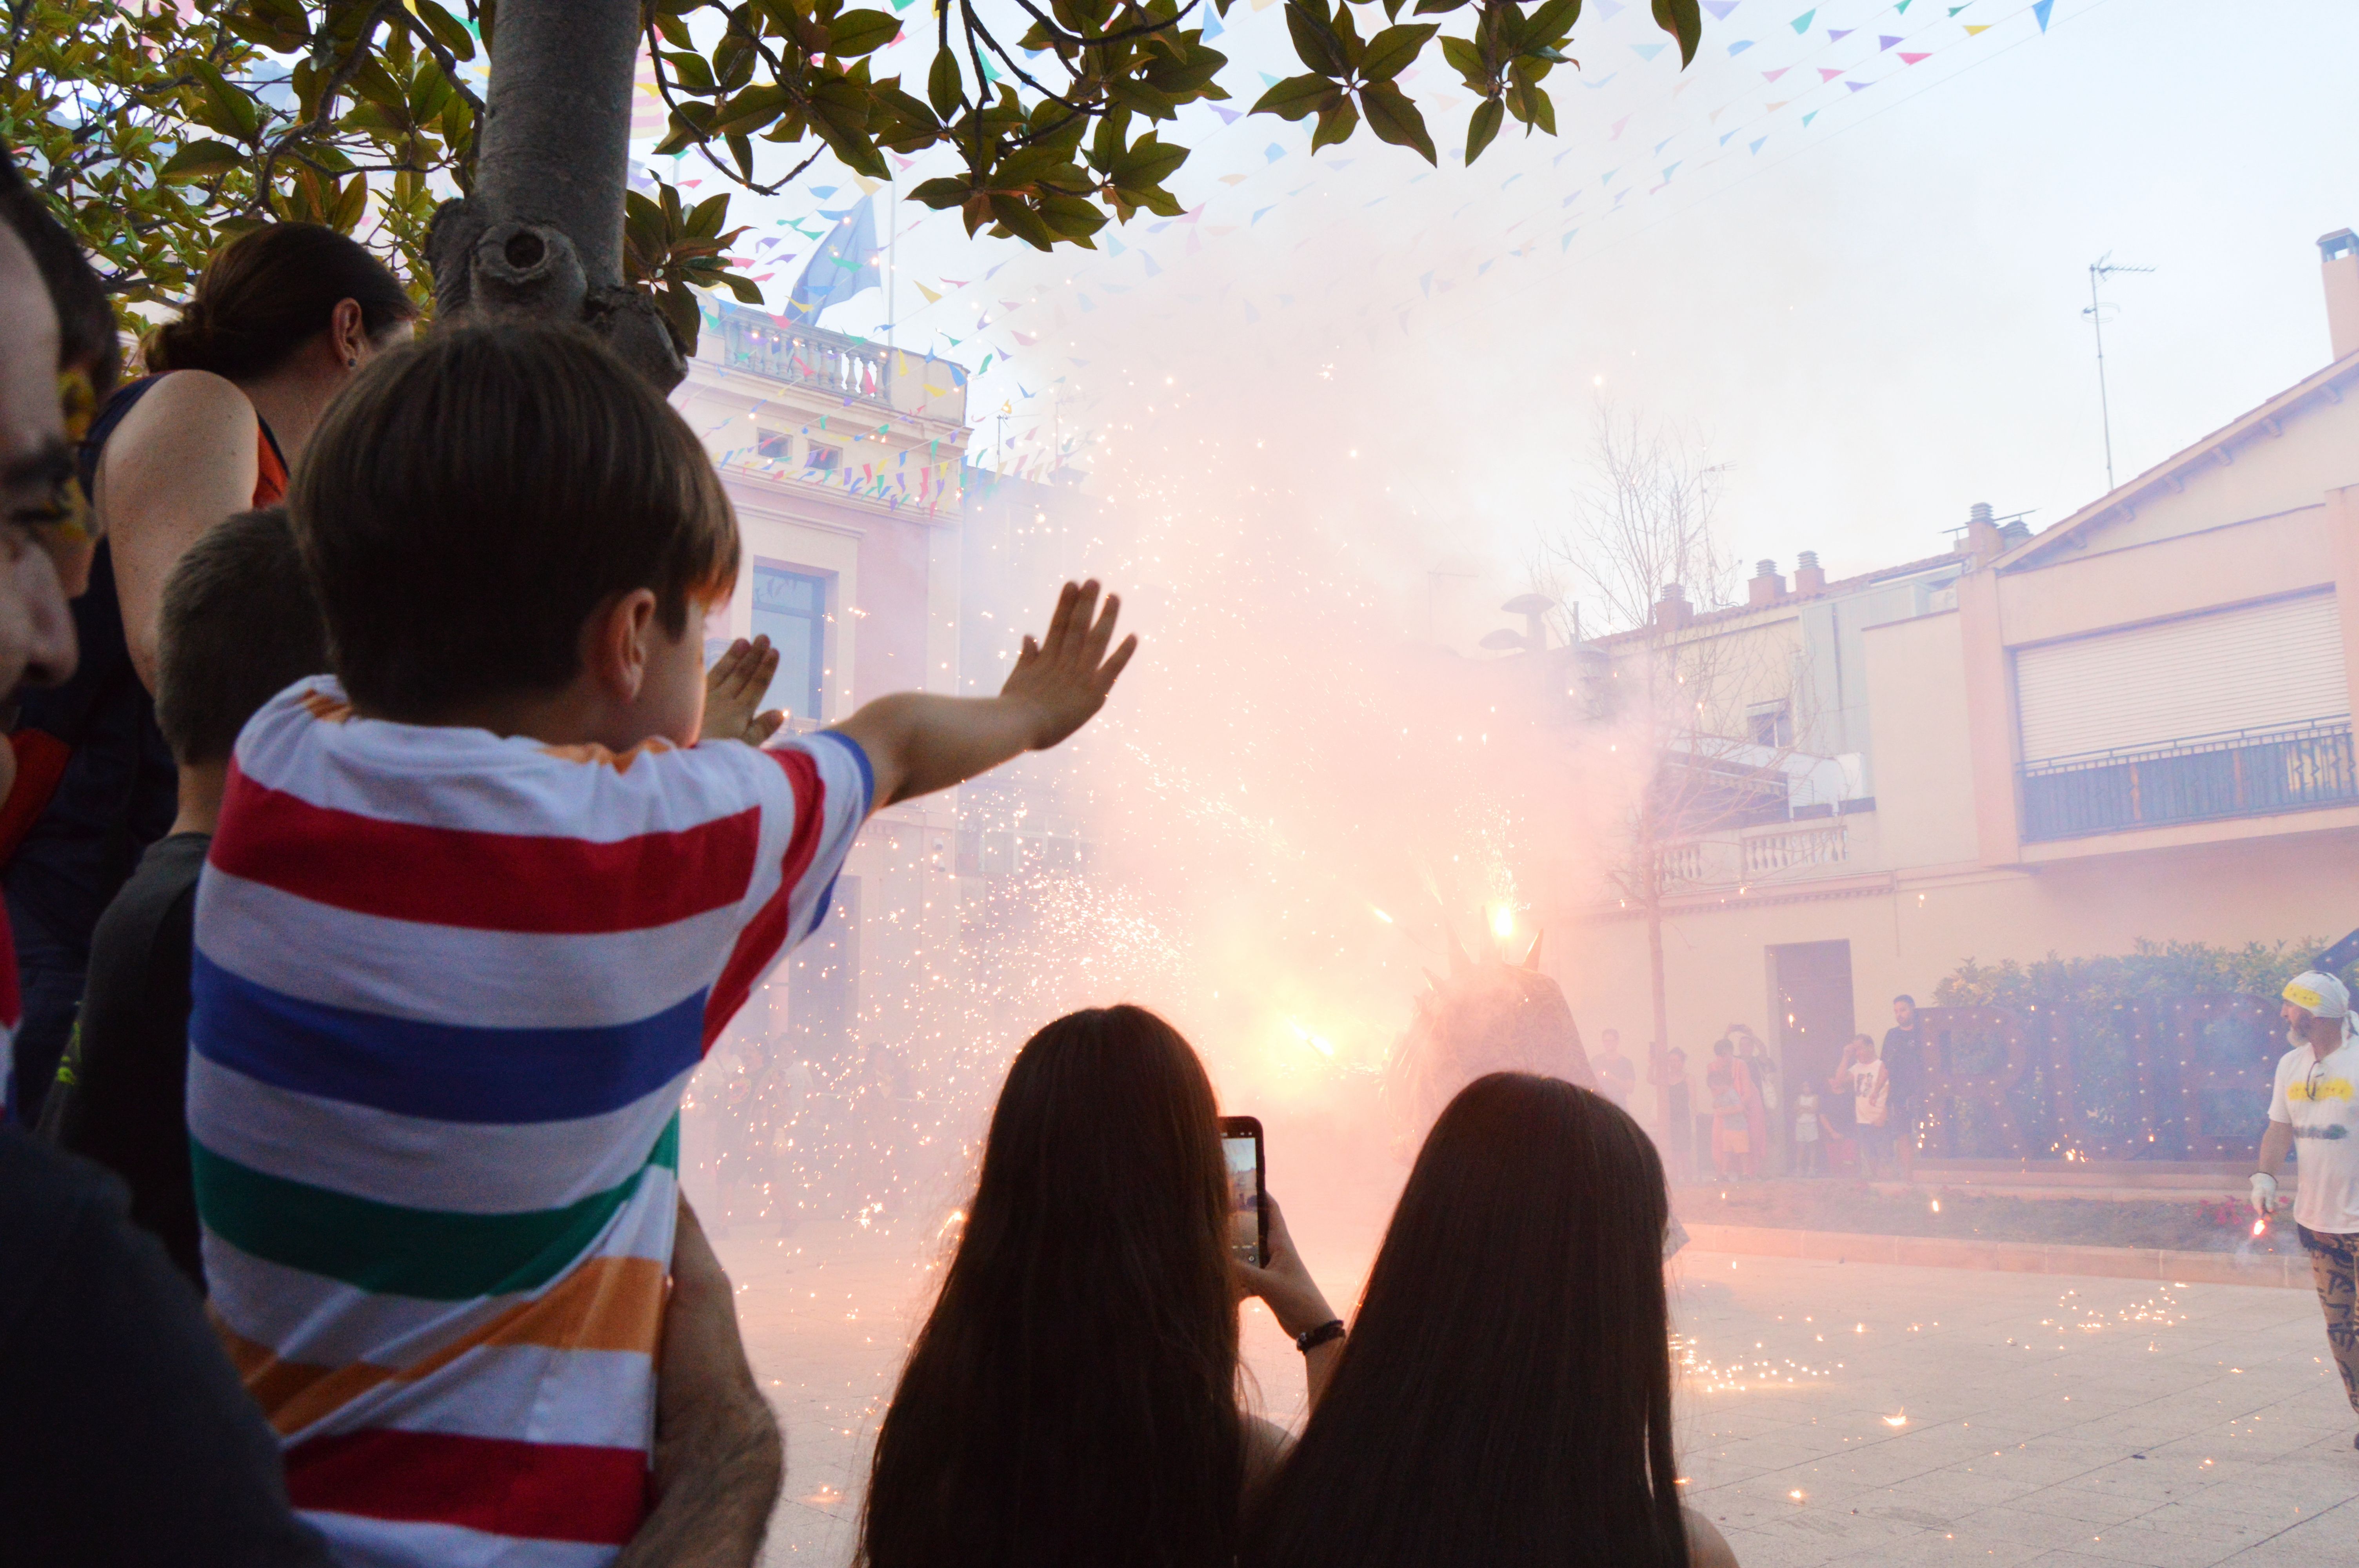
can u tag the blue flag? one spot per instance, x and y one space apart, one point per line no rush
845 264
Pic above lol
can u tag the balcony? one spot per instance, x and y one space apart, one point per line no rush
2244 772
836 367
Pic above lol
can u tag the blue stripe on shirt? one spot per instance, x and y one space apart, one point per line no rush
442 1071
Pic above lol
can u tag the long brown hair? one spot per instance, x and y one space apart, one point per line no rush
1071 1400
267 292
1506 1393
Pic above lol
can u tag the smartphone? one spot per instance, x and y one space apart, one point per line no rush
1248 1185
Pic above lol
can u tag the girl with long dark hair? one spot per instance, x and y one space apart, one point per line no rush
1504 1397
1073 1398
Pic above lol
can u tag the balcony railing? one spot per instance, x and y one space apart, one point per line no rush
2245 773
807 356
1773 852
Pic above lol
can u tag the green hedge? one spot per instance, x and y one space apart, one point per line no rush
2151 971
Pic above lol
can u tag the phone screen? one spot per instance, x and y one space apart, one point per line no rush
1248 1223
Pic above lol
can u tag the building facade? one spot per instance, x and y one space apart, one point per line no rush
843 459
2134 725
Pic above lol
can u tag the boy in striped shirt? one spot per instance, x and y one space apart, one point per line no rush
475 912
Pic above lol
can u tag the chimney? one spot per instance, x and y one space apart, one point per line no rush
2337 255
1983 540
1672 609
1766 587
1808 575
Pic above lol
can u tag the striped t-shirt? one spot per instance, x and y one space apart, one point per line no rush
447 991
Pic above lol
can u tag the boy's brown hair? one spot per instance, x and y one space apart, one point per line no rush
471 499
239 625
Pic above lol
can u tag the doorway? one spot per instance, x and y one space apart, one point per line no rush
1810 1006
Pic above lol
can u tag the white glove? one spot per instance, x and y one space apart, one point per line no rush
2265 1194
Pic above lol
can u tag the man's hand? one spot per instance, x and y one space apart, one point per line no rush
719 1460
2265 1194
734 689
1063 678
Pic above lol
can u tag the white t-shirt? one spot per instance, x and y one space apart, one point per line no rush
1871 1089
2321 1099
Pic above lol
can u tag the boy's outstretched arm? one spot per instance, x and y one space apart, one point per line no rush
917 743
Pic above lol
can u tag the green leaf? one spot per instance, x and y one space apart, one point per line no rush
942 82
1071 216
690 70
1136 96
1022 221
1467 60
1683 21
1436 7
1336 124
704 220
1296 96
747 290
1552 20
1314 38
1393 50
946 191
1396 119
749 111
1483 127
200 161
448 30
856 33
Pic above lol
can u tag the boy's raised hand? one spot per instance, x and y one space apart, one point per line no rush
734 689
1064 678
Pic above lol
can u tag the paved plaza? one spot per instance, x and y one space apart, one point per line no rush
1832 1413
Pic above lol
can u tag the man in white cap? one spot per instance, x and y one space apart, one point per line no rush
2314 1101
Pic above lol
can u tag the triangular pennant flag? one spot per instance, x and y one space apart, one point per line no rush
1773 108
1646 51
1803 22
1907 59
1756 146
1774 75
1720 8
1740 45
1661 145
1827 75
1971 29
2039 11
1616 135
1885 40
1837 35
1859 86
931 297
1810 117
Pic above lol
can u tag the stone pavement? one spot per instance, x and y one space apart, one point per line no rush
1830 1414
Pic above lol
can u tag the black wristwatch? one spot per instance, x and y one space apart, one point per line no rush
1310 1339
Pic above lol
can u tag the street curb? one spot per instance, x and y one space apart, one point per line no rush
2006 1257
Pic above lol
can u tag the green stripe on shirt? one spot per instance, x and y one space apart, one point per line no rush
430 1254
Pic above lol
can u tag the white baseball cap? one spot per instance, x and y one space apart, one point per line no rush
2320 995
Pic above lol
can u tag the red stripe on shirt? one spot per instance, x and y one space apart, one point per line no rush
481 882
766 932
545 1491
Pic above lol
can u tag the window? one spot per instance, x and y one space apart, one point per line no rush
776 446
790 610
1771 724
823 460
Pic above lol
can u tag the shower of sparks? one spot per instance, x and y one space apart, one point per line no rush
1318 1042
1741 1375
1503 922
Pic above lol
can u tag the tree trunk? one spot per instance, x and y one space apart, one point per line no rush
539 236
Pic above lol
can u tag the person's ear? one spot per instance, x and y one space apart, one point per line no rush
348 333
614 642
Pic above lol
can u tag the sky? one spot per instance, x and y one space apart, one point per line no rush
1869 321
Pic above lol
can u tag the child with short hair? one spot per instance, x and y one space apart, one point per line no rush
1807 1141
475 912
238 623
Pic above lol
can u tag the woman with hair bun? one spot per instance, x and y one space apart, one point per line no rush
282 318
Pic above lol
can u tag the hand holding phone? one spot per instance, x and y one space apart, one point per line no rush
1241 1152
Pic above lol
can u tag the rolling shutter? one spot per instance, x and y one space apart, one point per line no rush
2262 666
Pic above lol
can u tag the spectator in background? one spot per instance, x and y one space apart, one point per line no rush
1808 1145
1761 1117
1670 1078
282 318
1072 1397
238 625
1863 1075
1724 1093
1505 1394
1617 1078
1904 1063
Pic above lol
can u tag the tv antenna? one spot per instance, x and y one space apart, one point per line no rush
2104 267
